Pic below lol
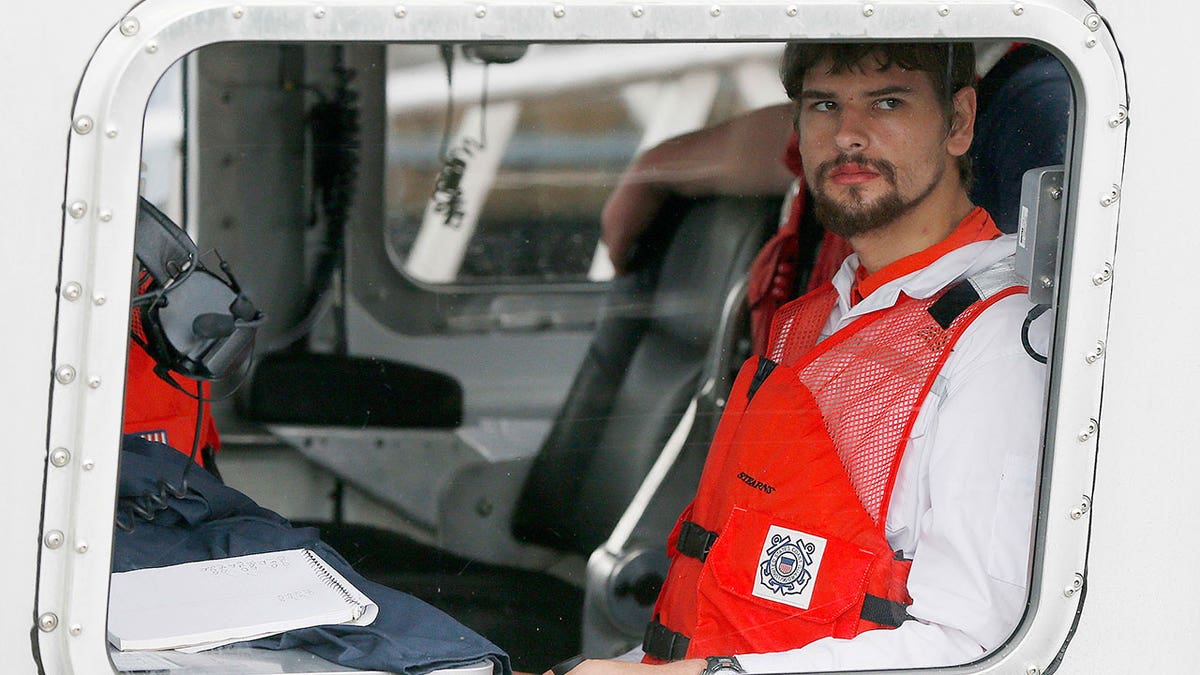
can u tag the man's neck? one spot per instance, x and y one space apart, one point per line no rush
930 222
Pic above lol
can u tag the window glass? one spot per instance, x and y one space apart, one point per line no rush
496 175
504 174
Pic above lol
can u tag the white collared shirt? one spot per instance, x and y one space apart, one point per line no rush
963 504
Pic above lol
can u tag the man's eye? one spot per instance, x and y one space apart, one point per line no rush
824 106
889 103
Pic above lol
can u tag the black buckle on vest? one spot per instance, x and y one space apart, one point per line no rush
695 541
884 612
953 303
663 643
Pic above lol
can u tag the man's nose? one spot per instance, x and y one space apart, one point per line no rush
851 134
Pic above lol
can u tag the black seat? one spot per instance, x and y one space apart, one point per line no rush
641 371
653 339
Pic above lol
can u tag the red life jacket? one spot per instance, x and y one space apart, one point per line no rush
785 543
159 412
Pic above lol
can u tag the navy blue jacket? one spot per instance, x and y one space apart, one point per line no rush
213 520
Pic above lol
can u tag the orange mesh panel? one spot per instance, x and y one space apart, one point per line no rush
868 386
797 325
135 319
868 379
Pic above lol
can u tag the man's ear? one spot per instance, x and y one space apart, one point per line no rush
962 122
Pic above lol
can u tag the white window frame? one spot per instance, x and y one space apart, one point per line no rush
102 181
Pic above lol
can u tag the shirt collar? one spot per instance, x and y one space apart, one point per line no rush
977 226
974 245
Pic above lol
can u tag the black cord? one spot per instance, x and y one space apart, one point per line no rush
483 106
1032 316
447 188
149 504
447 52
334 128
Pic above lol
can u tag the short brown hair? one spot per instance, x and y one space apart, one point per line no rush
950 66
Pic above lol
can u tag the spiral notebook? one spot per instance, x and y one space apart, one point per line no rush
201 605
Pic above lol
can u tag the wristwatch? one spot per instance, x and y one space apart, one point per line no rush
723 665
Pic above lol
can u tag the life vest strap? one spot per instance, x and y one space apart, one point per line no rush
694 541
765 366
953 303
883 611
663 643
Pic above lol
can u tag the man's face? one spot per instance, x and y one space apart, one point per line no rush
876 144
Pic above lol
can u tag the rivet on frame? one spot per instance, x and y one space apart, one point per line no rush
54 539
400 12
151 47
1103 276
714 11
1033 670
89 464
1018 9
480 12
237 12
1092 21
105 214
868 10
559 11
65 374
72 290
793 10
48 622
319 12
83 125
1095 353
77 209
1088 430
94 382
1090 42
1075 587
60 457
76 629
638 11
111 133
944 10
1120 118
81 547
99 299
130 26
1081 509
1109 198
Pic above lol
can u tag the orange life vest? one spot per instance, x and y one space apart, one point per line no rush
785 543
159 412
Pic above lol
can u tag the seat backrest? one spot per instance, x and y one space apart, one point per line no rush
1024 116
641 370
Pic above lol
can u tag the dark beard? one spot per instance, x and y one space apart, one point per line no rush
849 222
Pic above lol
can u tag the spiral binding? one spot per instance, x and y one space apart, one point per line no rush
332 581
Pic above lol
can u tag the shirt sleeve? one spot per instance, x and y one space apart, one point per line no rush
962 508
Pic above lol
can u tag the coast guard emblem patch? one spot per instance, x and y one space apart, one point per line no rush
788 566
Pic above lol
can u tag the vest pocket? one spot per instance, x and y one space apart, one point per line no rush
769 571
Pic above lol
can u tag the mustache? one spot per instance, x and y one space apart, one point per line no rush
884 167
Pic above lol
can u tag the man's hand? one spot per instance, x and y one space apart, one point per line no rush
606 667
737 157
630 210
